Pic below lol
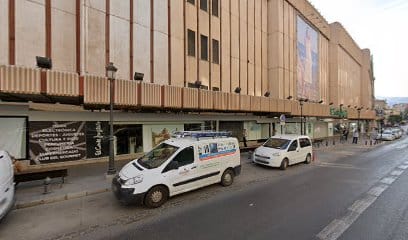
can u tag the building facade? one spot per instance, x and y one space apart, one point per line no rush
206 64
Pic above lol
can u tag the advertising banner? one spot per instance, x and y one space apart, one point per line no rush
51 142
97 139
307 61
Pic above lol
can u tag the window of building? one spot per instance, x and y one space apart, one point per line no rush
204 47
191 43
216 51
214 8
191 1
128 139
217 89
204 5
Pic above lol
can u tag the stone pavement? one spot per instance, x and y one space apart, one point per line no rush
90 179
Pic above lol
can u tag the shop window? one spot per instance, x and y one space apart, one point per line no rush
191 43
192 126
214 7
215 51
13 137
191 1
204 47
129 139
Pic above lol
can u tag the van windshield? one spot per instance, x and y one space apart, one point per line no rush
157 156
277 143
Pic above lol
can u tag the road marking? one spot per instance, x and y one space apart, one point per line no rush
388 180
339 225
376 191
361 205
396 172
403 167
335 165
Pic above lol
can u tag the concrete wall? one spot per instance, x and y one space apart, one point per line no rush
257 39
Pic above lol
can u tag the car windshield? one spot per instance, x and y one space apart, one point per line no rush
277 143
157 156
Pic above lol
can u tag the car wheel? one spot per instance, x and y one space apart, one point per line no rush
156 197
308 159
227 178
284 164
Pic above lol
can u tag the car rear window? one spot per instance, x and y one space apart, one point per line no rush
304 142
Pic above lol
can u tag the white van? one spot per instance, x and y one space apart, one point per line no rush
282 151
186 162
6 184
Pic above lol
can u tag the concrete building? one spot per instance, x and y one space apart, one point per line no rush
207 64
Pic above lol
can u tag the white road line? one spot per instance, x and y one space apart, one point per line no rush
396 172
376 191
388 180
361 205
338 226
403 167
335 165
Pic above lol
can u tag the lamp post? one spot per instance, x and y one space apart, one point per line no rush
358 119
111 72
301 101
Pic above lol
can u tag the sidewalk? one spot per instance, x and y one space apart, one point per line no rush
90 179
82 181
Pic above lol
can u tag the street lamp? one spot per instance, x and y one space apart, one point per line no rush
111 74
301 101
358 119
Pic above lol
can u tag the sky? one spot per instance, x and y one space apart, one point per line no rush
381 26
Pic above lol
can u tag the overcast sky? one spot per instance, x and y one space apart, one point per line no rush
381 26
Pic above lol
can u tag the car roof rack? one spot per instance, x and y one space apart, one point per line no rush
201 134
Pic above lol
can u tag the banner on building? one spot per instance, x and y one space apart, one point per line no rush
97 139
307 61
51 142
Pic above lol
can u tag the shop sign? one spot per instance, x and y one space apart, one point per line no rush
97 139
51 142
338 113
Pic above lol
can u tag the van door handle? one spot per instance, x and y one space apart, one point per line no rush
7 189
194 167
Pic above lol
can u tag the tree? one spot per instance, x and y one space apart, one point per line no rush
393 119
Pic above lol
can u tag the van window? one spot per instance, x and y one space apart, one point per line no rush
156 157
185 157
293 146
277 143
304 142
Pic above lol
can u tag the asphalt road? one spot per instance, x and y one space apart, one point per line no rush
359 197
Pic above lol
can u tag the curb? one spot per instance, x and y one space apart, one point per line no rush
60 198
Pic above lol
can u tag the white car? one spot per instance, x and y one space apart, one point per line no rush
387 135
282 151
191 161
6 184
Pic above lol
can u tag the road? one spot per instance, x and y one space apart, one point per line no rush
360 197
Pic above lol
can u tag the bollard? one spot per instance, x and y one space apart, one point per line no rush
366 143
47 182
327 143
250 155
334 142
371 142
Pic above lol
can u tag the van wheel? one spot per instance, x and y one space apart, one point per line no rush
227 178
156 197
284 164
308 159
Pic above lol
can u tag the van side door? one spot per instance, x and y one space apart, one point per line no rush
305 148
181 171
294 152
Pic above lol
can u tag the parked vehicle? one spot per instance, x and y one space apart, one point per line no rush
7 196
386 135
189 161
282 151
397 132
